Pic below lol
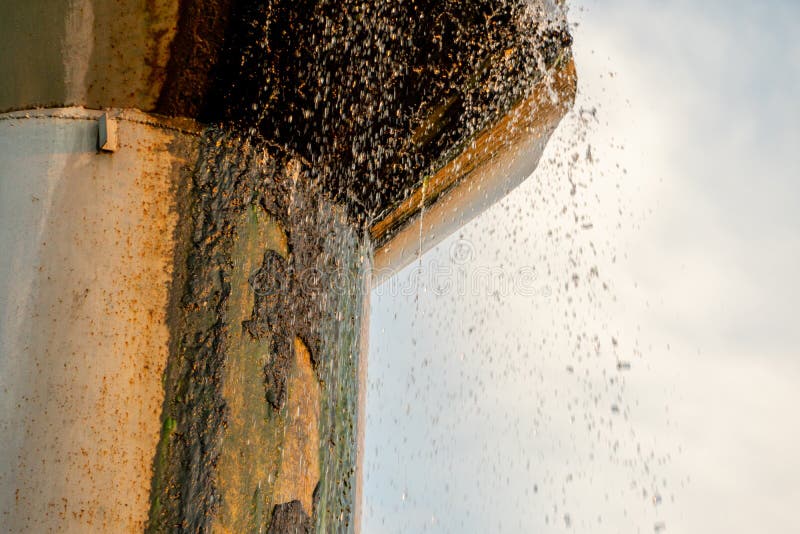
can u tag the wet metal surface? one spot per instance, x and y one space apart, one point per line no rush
241 432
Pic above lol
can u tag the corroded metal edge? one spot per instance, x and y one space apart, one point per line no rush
496 161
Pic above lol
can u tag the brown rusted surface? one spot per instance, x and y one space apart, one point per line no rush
290 518
299 465
261 383
194 54
91 53
84 355
129 53
535 116
250 451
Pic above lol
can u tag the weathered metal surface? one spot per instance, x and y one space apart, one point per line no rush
261 404
89 53
208 267
88 242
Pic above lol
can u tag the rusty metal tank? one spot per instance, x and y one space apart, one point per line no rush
195 200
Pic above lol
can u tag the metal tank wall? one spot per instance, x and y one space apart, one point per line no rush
89 53
170 296
88 244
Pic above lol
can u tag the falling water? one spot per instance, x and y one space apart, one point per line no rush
329 115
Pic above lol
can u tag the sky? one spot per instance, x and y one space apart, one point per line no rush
624 358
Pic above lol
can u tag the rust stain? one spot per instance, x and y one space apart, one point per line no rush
96 344
299 471
250 454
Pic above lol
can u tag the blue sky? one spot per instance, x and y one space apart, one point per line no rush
492 412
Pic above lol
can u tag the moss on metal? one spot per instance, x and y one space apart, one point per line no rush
273 270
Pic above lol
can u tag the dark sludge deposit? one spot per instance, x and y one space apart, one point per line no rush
374 95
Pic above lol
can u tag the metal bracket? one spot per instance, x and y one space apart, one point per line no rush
107 138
